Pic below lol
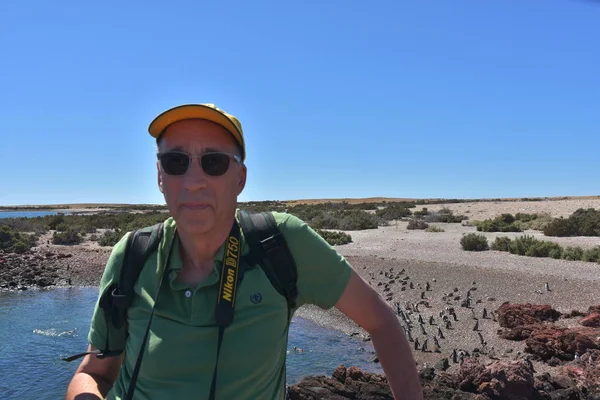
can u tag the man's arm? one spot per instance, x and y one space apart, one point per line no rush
361 303
94 377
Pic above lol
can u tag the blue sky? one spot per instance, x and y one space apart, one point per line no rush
338 98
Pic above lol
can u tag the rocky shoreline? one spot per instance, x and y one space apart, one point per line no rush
531 351
572 353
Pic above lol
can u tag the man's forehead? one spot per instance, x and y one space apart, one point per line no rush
196 133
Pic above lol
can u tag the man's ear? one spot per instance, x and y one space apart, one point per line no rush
242 181
160 181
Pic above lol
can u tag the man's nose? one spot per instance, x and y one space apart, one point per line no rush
195 178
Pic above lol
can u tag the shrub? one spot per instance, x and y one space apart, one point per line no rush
521 244
433 228
444 215
357 220
417 224
502 223
474 242
421 213
393 212
501 243
335 237
68 237
12 241
573 253
560 227
539 223
110 238
525 217
592 254
541 248
580 223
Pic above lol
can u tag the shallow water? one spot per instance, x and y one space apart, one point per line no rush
29 214
38 327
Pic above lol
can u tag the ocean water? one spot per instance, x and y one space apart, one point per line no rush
37 327
28 214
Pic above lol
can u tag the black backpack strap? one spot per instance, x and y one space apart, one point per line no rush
117 298
140 244
269 249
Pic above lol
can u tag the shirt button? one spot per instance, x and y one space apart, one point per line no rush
188 293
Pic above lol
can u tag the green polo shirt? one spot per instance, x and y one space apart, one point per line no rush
181 351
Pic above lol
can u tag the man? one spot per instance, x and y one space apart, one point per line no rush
201 171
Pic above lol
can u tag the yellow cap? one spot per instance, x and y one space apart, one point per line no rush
203 111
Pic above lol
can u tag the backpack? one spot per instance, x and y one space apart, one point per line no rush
268 249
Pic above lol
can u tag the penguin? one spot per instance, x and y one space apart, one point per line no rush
448 324
454 356
476 327
547 287
417 345
431 320
440 333
484 313
424 348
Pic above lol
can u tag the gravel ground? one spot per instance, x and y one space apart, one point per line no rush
490 209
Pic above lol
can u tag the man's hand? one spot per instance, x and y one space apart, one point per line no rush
361 303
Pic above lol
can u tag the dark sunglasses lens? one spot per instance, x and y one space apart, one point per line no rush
215 164
175 163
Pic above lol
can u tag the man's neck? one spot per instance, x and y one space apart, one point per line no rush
198 250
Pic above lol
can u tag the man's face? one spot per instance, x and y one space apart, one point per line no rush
198 202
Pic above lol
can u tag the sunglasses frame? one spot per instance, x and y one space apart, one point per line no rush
191 158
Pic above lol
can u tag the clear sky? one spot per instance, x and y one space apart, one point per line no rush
338 98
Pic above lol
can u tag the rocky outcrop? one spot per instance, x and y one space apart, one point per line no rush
592 319
562 343
39 269
513 315
474 380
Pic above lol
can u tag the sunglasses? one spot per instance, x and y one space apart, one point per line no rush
213 164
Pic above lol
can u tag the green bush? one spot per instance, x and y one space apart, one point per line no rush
592 254
417 224
392 212
521 244
12 241
69 237
580 223
573 253
433 228
539 223
525 217
474 242
541 248
335 237
421 213
501 243
444 215
502 223
110 238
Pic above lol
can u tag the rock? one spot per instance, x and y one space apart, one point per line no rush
565 394
553 361
562 343
442 365
592 320
513 315
345 383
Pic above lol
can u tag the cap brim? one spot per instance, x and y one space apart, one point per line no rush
189 111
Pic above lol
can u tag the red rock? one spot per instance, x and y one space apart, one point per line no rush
512 315
594 309
592 320
563 343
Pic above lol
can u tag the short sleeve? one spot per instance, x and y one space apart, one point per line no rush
323 273
98 333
